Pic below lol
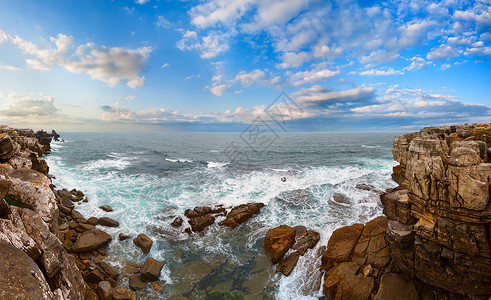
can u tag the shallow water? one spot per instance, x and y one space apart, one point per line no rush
149 178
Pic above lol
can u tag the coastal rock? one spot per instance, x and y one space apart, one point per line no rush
106 208
20 277
136 283
341 244
341 199
177 222
288 263
32 189
395 286
343 282
240 214
6 147
121 293
143 242
150 270
123 236
107 270
108 222
91 240
12 230
18 162
306 241
278 241
104 290
200 223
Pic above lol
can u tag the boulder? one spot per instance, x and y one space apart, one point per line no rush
106 208
104 290
20 276
123 236
32 189
395 286
136 283
177 222
121 293
200 223
6 147
18 162
91 240
107 270
343 282
341 245
240 214
288 263
278 241
143 242
108 222
307 241
94 276
150 270
340 199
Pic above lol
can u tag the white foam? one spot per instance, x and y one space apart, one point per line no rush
369 147
212 164
181 160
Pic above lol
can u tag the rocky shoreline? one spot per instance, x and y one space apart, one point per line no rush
433 242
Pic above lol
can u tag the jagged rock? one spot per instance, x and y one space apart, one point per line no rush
136 283
177 222
121 293
372 247
204 210
367 187
341 245
107 270
340 199
150 270
6 147
106 208
300 230
108 222
104 290
123 236
91 240
342 282
240 214
20 277
307 241
157 287
94 276
278 241
395 286
143 242
13 231
288 263
200 223
18 162
32 189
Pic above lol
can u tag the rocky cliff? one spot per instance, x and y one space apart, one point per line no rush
435 238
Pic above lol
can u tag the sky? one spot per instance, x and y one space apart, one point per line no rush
222 65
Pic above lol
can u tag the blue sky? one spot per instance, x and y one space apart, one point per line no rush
219 65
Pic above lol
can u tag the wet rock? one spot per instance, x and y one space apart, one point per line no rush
341 199
123 236
177 222
67 203
307 241
395 286
108 222
188 274
104 290
300 230
342 282
157 287
367 187
287 264
106 208
92 221
136 283
278 241
241 213
91 295
200 223
150 270
107 270
341 245
94 276
130 268
143 242
121 293
91 240
20 277
81 227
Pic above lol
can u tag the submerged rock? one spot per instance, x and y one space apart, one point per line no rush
278 241
294 198
288 263
341 199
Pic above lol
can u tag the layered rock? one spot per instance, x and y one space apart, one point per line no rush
439 217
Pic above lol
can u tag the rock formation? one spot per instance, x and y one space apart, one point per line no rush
434 242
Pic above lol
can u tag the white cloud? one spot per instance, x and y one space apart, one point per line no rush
10 68
218 90
110 65
165 65
318 95
248 79
379 56
417 63
292 59
300 78
218 11
23 105
3 36
444 67
141 1
114 112
442 52
414 33
163 23
210 45
482 51
484 36
373 72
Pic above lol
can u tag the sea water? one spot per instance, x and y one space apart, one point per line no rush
149 178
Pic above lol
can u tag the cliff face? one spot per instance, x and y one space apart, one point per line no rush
439 217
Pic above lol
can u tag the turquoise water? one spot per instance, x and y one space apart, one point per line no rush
148 178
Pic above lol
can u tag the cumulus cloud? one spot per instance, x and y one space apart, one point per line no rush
417 63
24 105
112 65
374 72
210 45
442 52
300 78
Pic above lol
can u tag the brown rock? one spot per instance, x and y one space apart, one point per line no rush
121 293
395 286
106 208
278 241
307 241
177 222
143 242
123 236
92 221
94 276
241 213
287 264
107 270
151 269
104 290
300 230
91 240
108 222
341 199
342 282
91 295
136 283
200 223
341 245
156 286
6 147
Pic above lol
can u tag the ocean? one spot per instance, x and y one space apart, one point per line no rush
149 178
